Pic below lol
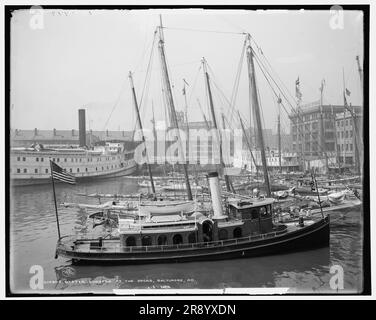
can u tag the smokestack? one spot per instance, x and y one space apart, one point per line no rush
82 127
215 190
35 132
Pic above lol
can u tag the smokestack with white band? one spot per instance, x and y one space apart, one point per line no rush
215 190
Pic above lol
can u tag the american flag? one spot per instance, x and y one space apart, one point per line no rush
59 173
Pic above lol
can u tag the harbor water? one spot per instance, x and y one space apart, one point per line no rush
33 236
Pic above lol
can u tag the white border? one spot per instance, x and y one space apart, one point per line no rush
372 143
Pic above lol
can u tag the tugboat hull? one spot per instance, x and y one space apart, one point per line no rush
311 236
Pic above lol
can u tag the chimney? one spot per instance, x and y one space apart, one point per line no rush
54 132
72 132
106 133
82 127
35 132
16 132
215 190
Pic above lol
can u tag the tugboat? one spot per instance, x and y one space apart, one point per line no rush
233 228
225 227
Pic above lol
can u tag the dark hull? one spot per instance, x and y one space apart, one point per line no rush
309 237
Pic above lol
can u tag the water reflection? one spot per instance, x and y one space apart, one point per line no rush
33 241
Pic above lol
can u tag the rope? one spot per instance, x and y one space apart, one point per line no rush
202 30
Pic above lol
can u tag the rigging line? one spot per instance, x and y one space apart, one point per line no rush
238 73
214 82
175 65
232 24
297 113
202 30
272 69
115 105
236 83
194 85
148 69
231 107
259 62
143 53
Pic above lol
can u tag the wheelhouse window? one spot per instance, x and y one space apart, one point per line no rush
131 241
37 159
23 159
177 239
25 170
223 234
146 241
237 232
36 171
255 213
162 240
192 237
18 170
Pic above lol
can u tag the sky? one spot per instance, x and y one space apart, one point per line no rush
66 60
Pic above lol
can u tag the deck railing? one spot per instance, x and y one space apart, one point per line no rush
168 247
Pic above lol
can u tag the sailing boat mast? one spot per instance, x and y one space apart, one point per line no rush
279 135
227 180
142 132
255 104
322 126
170 100
355 126
247 141
360 155
335 139
360 70
203 115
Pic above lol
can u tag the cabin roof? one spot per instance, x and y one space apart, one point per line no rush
252 203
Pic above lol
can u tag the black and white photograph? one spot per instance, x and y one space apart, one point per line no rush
187 150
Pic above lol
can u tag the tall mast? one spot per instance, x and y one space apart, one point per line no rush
355 126
360 70
247 141
173 120
335 138
203 115
142 132
255 104
227 180
279 135
323 127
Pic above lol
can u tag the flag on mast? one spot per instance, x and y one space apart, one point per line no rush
58 173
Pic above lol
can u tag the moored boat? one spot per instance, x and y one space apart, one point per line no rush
231 228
